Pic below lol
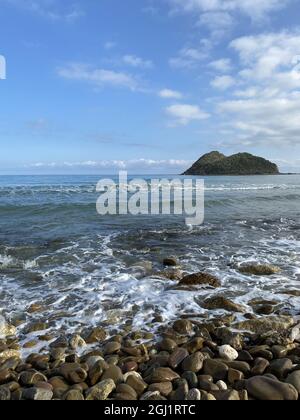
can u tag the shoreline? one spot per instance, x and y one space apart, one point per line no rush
222 358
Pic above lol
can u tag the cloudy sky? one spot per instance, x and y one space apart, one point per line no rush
147 85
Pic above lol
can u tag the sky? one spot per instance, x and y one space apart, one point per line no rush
148 86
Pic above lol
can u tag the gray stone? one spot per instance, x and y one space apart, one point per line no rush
177 357
194 362
37 394
218 370
266 389
294 379
101 391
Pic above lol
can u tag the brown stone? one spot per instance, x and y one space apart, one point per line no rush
199 279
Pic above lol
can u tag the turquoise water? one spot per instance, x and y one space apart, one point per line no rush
87 269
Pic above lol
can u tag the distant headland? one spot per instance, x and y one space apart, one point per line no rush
215 163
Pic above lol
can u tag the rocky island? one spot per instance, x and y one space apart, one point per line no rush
216 163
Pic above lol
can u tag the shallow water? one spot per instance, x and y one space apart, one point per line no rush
85 269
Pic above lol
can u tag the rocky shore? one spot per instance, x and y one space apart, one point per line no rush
188 360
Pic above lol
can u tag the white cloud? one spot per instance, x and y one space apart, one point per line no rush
109 45
170 94
97 76
142 164
134 61
189 57
219 16
267 55
223 65
256 9
51 9
217 22
266 108
223 82
183 114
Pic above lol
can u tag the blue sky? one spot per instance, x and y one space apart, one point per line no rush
147 85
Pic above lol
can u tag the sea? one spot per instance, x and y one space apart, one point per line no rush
87 270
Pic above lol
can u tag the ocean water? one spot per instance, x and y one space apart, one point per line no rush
86 269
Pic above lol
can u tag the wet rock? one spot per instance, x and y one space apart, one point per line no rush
218 370
30 344
60 343
167 344
228 337
170 262
241 366
164 388
5 394
8 354
294 379
194 362
245 356
152 396
112 347
6 329
58 354
37 394
163 375
101 391
200 279
114 373
193 395
264 309
130 367
191 379
262 351
6 375
230 395
137 383
183 326
177 357
11 363
220 302
206 396
262 325
181 392
96 335
126 390
266 389
281 367
222 386
38 326
207 386
77 342
92 360
95 372
259 269
194 345
172 274
260 366
279 352
234 376
73 373
31 377
58 382
73 395
228 353
35 307
295 334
